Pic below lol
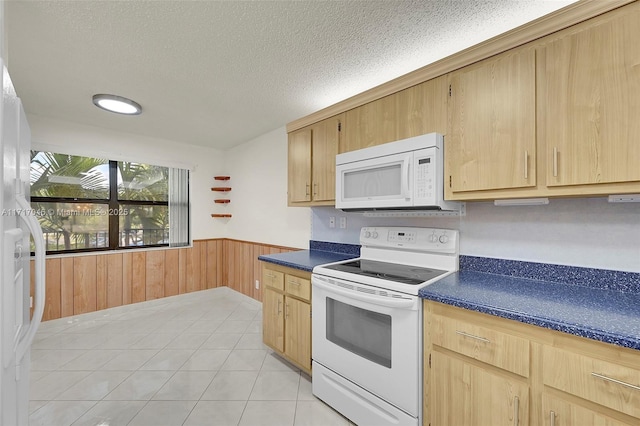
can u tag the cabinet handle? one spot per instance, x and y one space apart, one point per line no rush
294 282
526 164
609 379
286 310
482 339
315 189
307 190
516 411
279 309
552 418
555 161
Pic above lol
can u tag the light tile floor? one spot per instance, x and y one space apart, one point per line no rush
193 359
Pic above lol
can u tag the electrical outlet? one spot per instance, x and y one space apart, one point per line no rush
257 285
332 222
343 222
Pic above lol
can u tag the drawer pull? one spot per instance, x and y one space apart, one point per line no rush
516 411
552 418
294 282
482 339
609 379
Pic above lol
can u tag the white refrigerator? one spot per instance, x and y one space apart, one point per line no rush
18 223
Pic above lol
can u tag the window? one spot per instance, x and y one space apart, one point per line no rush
86 204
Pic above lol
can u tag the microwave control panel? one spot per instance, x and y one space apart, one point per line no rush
425 178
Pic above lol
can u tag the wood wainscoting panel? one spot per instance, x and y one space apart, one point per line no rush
101 281
154 274
84 284
90 282
183 260
138 276
114 280
127 262
66 286
53 296
171 279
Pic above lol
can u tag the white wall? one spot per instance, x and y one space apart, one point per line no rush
587 232
258 171
70 138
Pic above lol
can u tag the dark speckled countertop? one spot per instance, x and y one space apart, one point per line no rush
594 308
319 253
593 303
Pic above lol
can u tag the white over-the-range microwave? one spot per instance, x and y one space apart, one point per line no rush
406 174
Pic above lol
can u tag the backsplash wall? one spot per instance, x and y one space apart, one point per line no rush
587 232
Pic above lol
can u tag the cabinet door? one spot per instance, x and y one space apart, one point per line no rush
300 166
589 108
325 142
558 412
273 319
410 112
298 331
422 109
465 394
491 139
370 124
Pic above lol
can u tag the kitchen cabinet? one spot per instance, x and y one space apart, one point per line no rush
588 81
286 313
410 112
480 369
491 133
467 394
599 379
559 412
469 369
312 163
556 117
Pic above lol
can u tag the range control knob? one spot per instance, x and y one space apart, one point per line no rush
367 234
374 234
433 238
443 239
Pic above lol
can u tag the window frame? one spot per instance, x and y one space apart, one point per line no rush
114 204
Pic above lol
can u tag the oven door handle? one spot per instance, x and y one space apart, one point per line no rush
363 297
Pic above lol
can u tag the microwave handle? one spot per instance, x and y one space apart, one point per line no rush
407 175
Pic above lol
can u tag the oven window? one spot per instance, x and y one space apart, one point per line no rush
360 331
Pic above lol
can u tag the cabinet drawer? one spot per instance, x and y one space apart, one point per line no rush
298 287
605 383
502 350
273 279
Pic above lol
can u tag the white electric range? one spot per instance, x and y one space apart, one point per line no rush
367 323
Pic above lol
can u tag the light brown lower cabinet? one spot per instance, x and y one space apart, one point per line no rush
286 313
468 394
484 370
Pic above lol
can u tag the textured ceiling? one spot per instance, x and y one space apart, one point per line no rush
220 73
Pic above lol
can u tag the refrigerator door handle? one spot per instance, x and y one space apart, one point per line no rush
39 293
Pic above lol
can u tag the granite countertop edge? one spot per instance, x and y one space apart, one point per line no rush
598 332
305 260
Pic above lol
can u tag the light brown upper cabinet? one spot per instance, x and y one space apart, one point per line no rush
312 163
410 112
589 102
490 142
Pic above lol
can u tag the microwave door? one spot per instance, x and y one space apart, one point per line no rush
383 182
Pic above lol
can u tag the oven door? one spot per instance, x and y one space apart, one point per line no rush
371 337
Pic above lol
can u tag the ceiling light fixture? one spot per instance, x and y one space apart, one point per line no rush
117 104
